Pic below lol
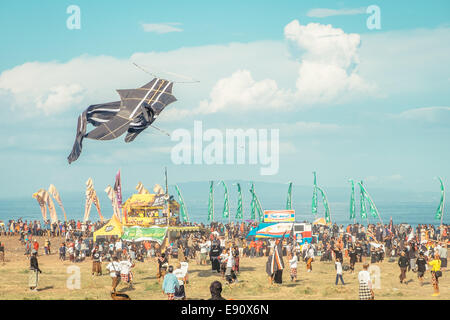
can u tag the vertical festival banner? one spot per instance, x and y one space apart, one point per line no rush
253 203
226 205
112 196
141 189
362 201
239 211
211 202
325 205
55 194
51 207
183 210
97 204
118 189
440 210
352 201
372 207
88 203
289 197
256 205
39 196
314 198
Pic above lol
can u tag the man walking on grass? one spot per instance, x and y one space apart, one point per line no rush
403 263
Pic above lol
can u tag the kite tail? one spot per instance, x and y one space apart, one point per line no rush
78 144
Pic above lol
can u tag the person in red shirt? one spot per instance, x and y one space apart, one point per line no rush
259 245
36 245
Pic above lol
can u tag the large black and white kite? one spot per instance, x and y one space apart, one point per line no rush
135 112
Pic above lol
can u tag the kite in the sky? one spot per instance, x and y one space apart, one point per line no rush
135 112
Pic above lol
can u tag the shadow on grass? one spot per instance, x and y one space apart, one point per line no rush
45 288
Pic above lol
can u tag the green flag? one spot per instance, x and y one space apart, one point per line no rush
252 203
440 209
362 200
372 207
211 202
256 205
239 212
314 199
226 205
352 201
289 198
183 210
325 205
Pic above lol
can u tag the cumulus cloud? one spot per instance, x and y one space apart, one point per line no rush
325 12
327 73
240 89
162 28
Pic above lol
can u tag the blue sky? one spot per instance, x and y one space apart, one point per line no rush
372 104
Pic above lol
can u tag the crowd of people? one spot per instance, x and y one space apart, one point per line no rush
223 245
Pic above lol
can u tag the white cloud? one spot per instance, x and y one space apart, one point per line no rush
325 12
161 28
240 89
327 73
428 115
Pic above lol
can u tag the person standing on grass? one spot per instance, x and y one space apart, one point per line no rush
352 255
365 284
163 263
96 262
170 284
338 264
309 258
293 262
421 263
126 275
436 273
34 271
2 252
403 263
114 272
443 251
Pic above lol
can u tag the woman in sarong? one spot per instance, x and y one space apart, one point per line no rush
365 284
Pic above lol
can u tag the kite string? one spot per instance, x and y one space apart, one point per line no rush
171 73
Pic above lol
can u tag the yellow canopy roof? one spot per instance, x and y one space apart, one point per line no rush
112 228
321 221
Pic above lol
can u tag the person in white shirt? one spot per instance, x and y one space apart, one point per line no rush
230 275
339 271
180 273
365 284
185 268
114 272
125 272
293 261
203 252
118 246
223 258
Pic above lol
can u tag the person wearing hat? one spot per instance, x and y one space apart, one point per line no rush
34 271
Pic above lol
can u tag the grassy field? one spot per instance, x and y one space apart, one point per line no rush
253 282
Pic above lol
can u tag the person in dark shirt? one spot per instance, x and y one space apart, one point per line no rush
359 252
34 271
421 263
403 263
352 255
